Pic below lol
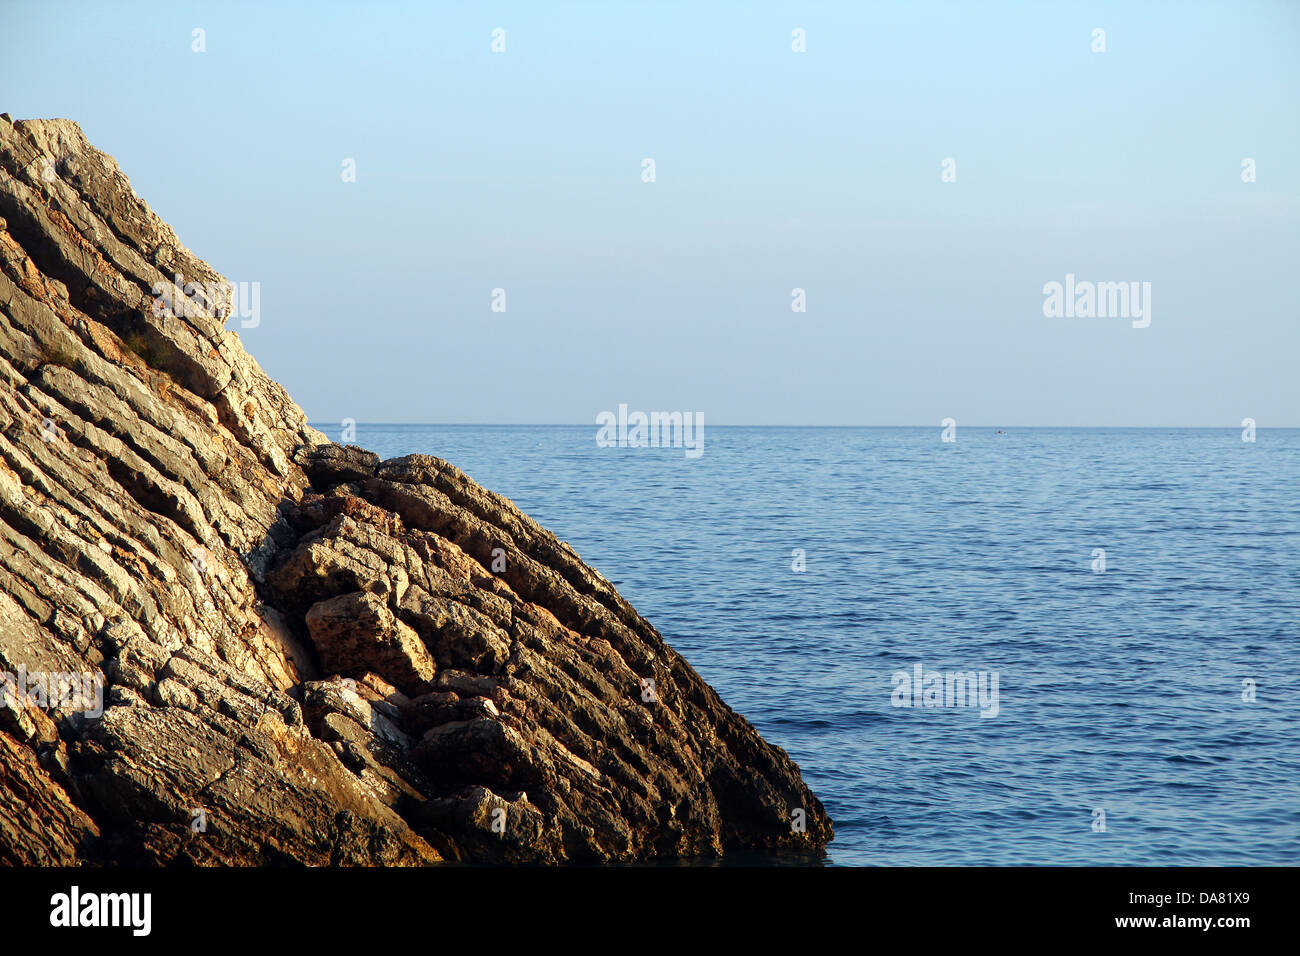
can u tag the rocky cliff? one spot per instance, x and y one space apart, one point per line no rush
307 655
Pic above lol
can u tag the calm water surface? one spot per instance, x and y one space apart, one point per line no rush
1119 691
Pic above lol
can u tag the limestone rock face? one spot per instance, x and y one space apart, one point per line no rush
302 654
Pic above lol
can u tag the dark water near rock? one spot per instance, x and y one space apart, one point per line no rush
1119 691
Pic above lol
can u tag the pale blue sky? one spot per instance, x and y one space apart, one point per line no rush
775 170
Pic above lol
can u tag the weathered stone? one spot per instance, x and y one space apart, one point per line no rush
311 655
40 825
357 632
328 465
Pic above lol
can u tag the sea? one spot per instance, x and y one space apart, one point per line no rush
1021 646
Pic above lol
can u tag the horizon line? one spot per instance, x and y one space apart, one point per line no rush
730 425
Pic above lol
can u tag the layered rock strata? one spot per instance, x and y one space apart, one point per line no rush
307 655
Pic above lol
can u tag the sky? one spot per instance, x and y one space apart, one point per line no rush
823 170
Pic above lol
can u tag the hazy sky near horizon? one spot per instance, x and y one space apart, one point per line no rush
775 170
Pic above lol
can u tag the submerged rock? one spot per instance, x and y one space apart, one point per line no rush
305 654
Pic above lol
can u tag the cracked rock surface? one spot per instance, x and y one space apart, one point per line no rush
307 655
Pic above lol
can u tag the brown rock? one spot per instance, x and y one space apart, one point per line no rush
357 632
308 651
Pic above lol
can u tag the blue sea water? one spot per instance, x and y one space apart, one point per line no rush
1119 691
